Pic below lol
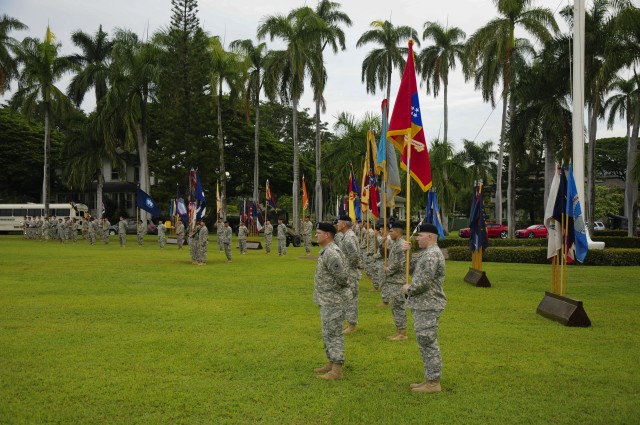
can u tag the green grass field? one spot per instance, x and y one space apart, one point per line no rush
140 336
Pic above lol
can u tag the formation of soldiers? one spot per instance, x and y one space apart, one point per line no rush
50 229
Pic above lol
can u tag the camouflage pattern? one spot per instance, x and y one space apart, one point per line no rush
351 250
73 229
46 225
332 293
426 301
395 277
203 241
243 231
195 243
91 232
53 228
85 229
226 241
282 239
122 232
268 236
306 235
162 234
219 232
105 230
140 232
62 231
180 233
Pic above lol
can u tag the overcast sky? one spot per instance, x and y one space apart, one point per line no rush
345 92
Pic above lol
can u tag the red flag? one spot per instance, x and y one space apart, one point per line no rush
406 126
305 196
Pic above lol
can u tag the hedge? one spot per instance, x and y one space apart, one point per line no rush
598 233
606 257
618 242
447 243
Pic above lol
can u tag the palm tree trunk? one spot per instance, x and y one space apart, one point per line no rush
318 188
99 195
511 181
145 181
549 165
501 161
47 149
631 186
296 166
446 113
256 164
591 166
223 174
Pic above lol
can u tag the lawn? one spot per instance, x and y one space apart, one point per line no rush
140 336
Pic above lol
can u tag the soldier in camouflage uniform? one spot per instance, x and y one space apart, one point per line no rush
332 293
203 242
243 231
282 238
85 228
351 250
73 230
268 236
227 233
179 232
141 230
219 231
122 232
45 229
91 236
306 234
62 231
426 300
162 233
394 278
191 234
53 228
105 230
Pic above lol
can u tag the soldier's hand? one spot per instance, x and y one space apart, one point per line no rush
405 289
406 246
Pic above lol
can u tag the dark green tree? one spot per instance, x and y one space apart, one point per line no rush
8 65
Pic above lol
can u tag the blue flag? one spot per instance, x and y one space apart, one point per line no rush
145 202
478 228
574 212
432 212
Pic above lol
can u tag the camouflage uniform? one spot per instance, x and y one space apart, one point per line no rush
91 232
45 229
268 235
378 263
141 230
180 233
243 231
306 235
226 241
203 242
162 234
332 294
191 242
53 228
73 230
105 230
85 229
122 232
395 276
338 239
282 239
350 249
62 231
219 232
426 301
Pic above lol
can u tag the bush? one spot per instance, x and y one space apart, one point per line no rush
618 242
447 243
598 233
607 257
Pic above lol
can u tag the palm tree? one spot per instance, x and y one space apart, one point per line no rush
478 158
379 63
492 47
93 62
8 69
449 175
286 70
256 56
133 75
435 61
328 11
42 67
227 68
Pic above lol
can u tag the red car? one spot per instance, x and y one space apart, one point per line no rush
494 230
535 231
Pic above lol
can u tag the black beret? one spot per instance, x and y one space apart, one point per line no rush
428 228
345 218
326 227
397 226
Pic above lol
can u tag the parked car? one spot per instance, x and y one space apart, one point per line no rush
533 231
494 230
598 225
132 227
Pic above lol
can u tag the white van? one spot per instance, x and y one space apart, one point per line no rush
12 215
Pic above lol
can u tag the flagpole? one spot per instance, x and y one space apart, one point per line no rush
408 207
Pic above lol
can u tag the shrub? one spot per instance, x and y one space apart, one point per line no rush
618 242
598 233
495 242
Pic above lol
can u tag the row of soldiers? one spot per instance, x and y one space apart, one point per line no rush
50 228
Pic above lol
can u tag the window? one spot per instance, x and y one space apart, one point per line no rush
136 174
34 212
6 212
114 172
60 212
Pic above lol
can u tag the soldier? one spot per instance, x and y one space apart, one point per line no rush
122 232
105 230
85 228
282 238
45 229
268 235
426 300
141 230
339 236
349 246
68 229
226 239
53 228
378 257
162 233
203 241
73 230
243 231
38 228
62 231
394 278
191 239
306 234
219 231
95 224
90 231
332 294
180 232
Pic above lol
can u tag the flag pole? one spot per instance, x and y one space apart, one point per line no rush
408 206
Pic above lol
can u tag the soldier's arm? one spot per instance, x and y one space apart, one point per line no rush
422 280
336 268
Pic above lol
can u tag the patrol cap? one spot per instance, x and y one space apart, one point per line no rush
428 228
345 218
379 226
396 226
326 227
